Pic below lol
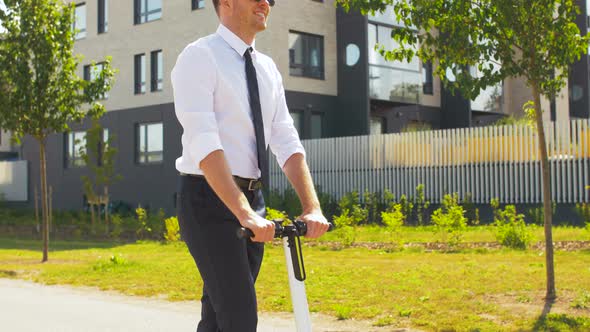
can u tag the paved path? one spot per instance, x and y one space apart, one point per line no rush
27 306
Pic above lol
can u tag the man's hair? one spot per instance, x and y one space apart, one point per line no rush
216 6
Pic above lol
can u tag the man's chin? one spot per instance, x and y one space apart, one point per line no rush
260 26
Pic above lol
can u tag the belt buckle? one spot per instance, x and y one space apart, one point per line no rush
251 184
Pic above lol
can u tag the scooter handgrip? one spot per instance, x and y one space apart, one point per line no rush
244 233
302 227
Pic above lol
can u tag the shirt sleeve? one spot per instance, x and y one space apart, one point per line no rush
284 140
193 81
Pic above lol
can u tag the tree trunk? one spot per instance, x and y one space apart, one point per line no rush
547 211
38 224
106 209
50 210
91 205
44 198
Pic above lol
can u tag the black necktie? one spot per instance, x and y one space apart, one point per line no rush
257 117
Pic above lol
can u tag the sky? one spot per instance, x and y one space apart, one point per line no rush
1 7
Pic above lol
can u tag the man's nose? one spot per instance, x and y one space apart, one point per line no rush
270 3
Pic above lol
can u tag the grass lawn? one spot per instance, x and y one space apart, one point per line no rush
472 234
469 290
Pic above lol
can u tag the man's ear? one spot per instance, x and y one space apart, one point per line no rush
227 4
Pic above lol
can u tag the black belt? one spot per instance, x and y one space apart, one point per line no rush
243 183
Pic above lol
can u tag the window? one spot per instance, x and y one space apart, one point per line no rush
157 72
79 27
150 143
377 125
75 145
316 125
197 4
297 121
398 81
387 17
92 72
147 10
105 135
306 55
489 99
139 61
102 145
427 79
103 18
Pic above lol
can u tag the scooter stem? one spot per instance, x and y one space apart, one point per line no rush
298 297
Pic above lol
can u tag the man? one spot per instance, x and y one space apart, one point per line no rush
230 101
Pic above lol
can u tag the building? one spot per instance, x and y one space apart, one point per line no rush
336 85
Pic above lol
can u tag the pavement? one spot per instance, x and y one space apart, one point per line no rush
27 306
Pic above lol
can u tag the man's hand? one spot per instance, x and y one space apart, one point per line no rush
264 230
317 224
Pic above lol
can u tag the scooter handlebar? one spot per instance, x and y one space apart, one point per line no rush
299 227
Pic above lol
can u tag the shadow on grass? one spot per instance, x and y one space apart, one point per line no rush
559 322
58 245
8 274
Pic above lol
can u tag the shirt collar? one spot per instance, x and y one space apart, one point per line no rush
234 41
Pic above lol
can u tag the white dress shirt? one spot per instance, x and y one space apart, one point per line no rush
212 104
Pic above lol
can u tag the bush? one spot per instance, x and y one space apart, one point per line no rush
172 230
536 214
349 200
393 221
116 222
121 208
292 206
388 200
143 229
345 228
421 205
495 204
351 204
583 210
286 201
328 203
274 199
511 230
407 207
272 214
289 203
157 225
373 206
471 212
582 301
450 220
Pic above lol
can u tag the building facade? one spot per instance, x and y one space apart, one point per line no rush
336 85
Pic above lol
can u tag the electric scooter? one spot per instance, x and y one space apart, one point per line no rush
295 268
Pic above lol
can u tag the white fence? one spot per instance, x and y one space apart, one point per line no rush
13 180
487 162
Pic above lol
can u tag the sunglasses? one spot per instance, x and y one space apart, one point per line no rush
270 2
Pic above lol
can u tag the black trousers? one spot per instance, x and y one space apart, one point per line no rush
228 265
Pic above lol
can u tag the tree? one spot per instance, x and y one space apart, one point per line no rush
534 39
99 156
39 68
